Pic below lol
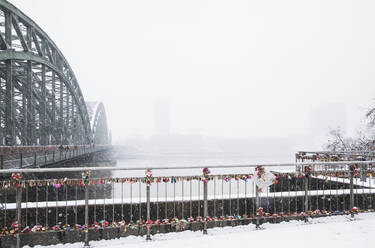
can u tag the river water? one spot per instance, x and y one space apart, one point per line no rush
172 191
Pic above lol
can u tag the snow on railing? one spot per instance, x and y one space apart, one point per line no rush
152 198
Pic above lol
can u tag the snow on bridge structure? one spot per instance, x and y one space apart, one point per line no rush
41 103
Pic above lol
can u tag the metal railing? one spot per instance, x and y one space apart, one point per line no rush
146 201
45 157
313 156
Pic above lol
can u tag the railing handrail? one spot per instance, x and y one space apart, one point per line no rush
43 153
303 191
352 153
46 157
77 169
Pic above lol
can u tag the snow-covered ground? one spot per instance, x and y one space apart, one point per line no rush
336 231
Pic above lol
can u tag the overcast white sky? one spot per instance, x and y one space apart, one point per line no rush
229 68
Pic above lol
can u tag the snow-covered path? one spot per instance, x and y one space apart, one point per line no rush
337 231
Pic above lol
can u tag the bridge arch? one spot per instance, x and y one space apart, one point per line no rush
98 122
41 102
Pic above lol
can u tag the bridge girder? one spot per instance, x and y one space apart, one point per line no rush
41 102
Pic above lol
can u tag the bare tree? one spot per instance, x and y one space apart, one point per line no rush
364 141
370 115
338 143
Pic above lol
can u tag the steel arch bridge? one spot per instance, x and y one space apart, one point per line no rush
41 102
98 121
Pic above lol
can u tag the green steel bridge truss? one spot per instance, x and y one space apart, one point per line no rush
41 102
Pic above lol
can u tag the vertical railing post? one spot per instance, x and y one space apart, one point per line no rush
148 196
351 190
87 216
148 237
206 171
19 209
257 206
34 159
20 160
45 158
53 156
306 205
307 174
205 206
1 161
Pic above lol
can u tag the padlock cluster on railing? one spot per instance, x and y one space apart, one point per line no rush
274 196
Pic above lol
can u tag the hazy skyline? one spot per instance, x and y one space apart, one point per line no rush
228 68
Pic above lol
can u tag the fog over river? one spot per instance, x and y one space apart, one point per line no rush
172 190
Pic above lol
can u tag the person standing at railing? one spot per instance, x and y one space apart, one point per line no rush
263 179
66 150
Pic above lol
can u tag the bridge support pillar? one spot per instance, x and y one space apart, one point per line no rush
43 109
53 128
9 107
30 123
